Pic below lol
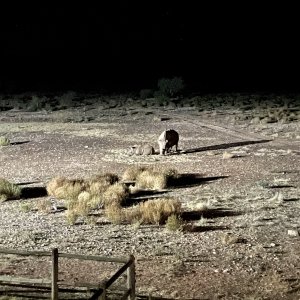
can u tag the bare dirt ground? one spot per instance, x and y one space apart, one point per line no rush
244 246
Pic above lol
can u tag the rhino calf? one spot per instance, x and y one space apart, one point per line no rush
167 140
141 150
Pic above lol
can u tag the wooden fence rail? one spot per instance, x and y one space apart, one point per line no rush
101 289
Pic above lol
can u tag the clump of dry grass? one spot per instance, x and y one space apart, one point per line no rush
157 211
174 223
115 194
154 211
115 214
71 216
149 212
105 179
25 207
44 205
80 207
150 177
156 178
98 184
82 196
4 141
64 188
9 190
131 173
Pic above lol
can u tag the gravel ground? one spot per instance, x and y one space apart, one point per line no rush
244 246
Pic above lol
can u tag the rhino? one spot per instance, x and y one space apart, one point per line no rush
167 140
141 150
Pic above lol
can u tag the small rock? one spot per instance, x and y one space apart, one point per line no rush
293 232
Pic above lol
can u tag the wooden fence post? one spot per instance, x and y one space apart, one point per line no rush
131 278
54 279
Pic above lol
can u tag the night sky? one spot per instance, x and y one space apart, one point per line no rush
131 44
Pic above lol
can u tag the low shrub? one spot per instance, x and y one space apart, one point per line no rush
174 223
9 190
131 173
45 205
64 188
4 141
114 213
115 195
154 211
151 177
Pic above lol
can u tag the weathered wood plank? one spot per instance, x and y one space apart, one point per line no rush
23 280
93 257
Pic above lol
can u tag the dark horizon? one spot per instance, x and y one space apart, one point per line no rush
131 45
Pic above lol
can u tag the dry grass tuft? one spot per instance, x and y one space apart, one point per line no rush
94 187
174 223
63 188
70 190
131 173
82 196
71 216
44 205
9 190
115 195
98 184
115 214
154 211
4 141
105 179
25 207
150 179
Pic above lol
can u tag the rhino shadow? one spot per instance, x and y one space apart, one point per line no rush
220 146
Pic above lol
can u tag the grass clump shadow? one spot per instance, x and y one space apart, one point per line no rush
9 191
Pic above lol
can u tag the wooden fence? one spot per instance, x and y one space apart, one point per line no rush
100 291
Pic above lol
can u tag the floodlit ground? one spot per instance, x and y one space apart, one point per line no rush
241 204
